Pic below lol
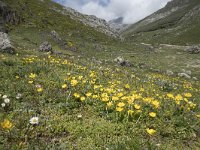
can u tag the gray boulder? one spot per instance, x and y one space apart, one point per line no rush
45 47
122 62
194 49
5 44
169 73
184 75
55 36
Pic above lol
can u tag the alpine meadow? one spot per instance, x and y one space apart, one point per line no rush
74 81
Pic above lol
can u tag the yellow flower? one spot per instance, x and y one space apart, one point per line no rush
198 116
178 97
89 94
80 77
6 124
150 131
105 99
137 106
115 98
40 89
188 95
130 101
109 104
155 103
64 86
74 82
76 95
82 98
30 82
130 112
17 77
119 109
169 95
127 86
32 75
152 114
95 96
120 94
120 104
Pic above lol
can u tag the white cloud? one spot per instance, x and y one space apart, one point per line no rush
131 10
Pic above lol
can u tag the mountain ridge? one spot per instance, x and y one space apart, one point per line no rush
173 17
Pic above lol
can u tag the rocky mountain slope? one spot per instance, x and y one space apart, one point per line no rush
30 22
118 24
99 24
178 22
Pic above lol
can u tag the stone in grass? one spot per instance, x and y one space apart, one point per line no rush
45 47
169 73
122 62
5 44
184 75
195 49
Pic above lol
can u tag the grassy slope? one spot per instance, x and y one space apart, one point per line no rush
100 126
40 19
161 28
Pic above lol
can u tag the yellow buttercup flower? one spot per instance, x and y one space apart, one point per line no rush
74 82
152 114
155 103
89 94
32 75
17 77
188 95
30 82
115 98
136 106
109 104
120 104
150 131
178 97
76 95
119 109
169 95
198 116
64 86
127 86
6 124
82 98
40 89
130 112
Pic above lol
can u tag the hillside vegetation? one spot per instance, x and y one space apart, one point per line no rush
177 23
79 97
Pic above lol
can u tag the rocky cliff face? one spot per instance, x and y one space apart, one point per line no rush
118 24
99 24
7 16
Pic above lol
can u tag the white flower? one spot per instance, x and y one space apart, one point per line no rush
34 120
18 96
6 100
4 96
79 116
3 105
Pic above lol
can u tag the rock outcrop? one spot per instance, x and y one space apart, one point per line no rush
5 44
194 49
7 15
46 47
122 62
90 20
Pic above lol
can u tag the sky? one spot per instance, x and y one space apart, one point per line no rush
131 10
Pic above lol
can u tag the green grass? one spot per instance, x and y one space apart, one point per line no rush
172 29
98 128
67 121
